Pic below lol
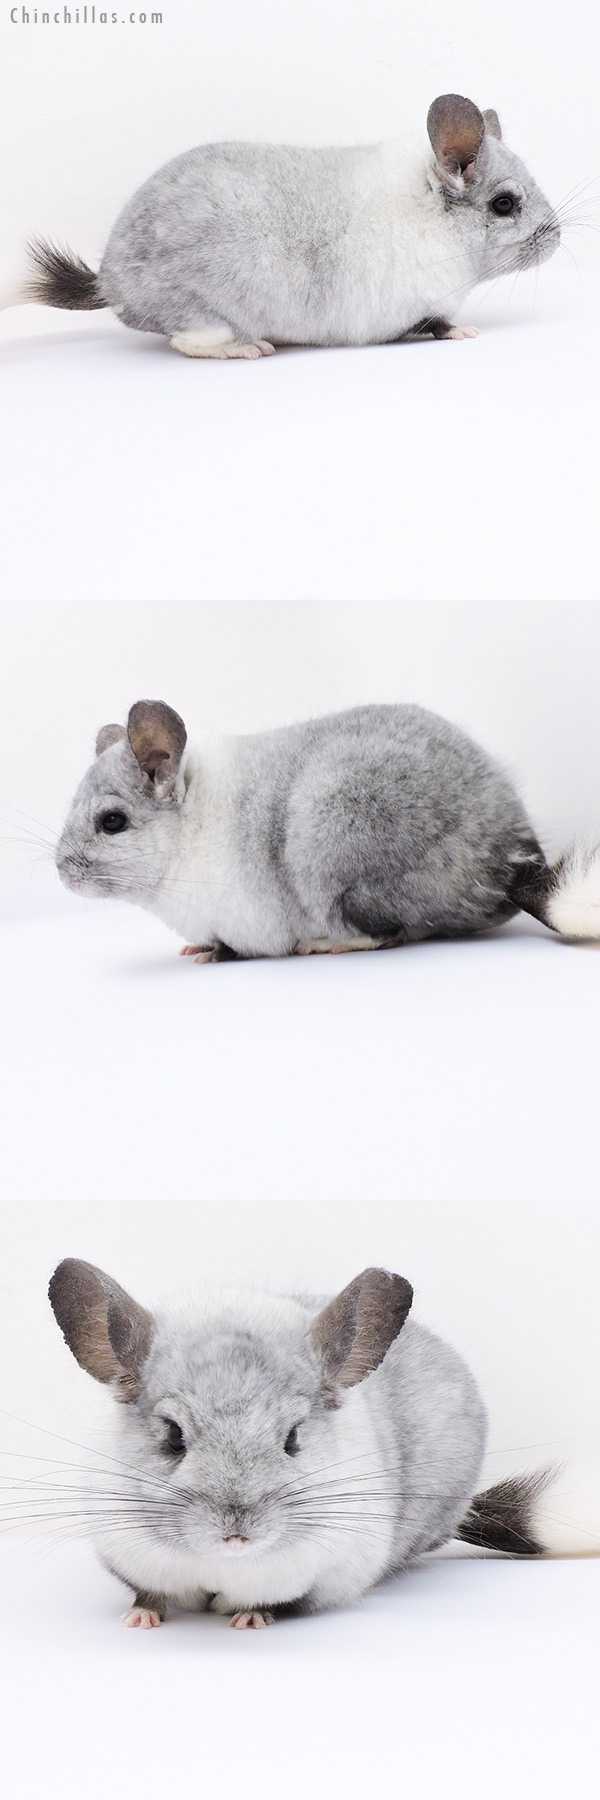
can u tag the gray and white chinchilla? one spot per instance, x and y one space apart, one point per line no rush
379 826
231 249
275 1452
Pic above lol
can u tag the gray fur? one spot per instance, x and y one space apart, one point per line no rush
385 1475
385 823
315 246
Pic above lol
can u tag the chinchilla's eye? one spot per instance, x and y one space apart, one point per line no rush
175 1440
504 205
112 822
291 1445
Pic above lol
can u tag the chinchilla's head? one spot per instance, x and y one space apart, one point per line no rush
123 825
229 1402
503 218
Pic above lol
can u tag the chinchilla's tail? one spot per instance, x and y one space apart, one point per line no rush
503 1517
54 278
565 897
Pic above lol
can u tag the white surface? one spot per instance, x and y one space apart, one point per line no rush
463 1679
444 471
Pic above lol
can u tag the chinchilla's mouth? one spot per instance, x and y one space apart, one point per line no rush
70 876
237 1547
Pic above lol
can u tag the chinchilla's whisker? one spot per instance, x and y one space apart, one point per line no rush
569 252
79 1494
38 1494
96 1478
580 186
50 1463
577 226
91 1520
41 823
89 1449
575 196
362 1474
26 838
348 1531
55 1461
83 1507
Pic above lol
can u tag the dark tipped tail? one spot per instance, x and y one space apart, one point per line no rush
565 897
60 279
502 1518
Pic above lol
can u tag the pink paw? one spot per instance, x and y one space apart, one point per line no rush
137 1615
463 331
251 1621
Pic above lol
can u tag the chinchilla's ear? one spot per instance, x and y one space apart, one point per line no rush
355 1330
456 132
492 123
108 1333
109 734
157 737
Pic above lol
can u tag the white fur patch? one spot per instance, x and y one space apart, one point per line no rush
573 907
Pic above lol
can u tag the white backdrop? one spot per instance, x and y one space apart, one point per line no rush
434 1109
333 474
88 112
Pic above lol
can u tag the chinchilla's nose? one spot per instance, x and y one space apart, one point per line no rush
545 239
235 1527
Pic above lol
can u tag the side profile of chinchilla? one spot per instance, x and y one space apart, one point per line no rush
273 1452
366 829
233 248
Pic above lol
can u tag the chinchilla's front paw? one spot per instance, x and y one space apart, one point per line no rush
140 1615
251 1621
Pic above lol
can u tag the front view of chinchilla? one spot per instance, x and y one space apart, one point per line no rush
233 248
362 830
280 1452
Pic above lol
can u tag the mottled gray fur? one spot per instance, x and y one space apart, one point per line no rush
379 824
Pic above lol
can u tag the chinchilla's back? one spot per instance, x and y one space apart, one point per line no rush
229 230
389 812
426 1396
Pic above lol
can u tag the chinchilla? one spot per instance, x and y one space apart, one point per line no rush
233 248
276 1452
380 826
